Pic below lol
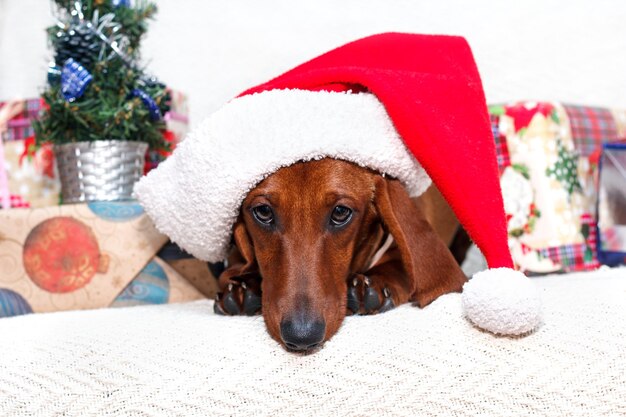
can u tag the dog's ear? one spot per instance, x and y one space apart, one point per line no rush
244 244
428 263
242 261
368 243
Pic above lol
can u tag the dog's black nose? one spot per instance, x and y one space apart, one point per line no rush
302 334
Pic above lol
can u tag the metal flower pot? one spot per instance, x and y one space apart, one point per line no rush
104 170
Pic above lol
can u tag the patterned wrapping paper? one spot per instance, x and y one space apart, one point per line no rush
548 154
84 256
22 174
32 174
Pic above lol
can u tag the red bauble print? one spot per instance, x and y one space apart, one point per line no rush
61 255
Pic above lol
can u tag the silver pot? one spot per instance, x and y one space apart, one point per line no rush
103 170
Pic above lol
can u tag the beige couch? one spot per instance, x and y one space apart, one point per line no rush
182 360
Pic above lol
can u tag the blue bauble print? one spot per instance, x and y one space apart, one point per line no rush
151 286
116 211
13 304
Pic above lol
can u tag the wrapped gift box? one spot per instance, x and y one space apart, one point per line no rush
84 256
31 173
26 173
548 156
612 205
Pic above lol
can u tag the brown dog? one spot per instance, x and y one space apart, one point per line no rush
309 241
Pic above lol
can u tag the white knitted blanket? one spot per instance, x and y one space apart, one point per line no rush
181 360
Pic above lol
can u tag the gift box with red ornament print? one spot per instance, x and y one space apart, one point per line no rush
84 256
548 159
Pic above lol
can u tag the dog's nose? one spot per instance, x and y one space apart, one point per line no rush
302 334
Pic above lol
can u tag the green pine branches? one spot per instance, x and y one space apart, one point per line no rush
106 110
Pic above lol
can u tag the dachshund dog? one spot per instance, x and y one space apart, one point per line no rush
321 239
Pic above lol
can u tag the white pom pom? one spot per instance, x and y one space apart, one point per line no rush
502 301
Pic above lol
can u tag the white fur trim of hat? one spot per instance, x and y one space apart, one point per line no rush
195 195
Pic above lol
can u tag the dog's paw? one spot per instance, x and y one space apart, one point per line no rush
238 298
365 296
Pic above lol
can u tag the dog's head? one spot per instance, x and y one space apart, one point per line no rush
308 227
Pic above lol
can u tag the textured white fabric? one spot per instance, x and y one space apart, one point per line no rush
195 195
503 301
181 360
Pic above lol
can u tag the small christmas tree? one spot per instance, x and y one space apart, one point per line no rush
96 88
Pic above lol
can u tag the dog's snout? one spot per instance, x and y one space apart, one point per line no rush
302 334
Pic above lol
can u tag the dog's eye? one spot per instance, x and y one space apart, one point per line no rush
263 214
340 215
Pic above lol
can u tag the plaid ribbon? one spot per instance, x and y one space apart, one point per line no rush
20 127
571 257
576 257
502 150
591 127
16 201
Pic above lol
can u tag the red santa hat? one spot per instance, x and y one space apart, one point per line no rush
409 106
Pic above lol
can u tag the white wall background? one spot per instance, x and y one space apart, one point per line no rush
569 50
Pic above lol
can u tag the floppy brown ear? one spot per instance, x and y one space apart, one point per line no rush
427 261
242 261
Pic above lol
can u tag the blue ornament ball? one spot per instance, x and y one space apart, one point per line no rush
13 304
120 3
153 108
74 80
